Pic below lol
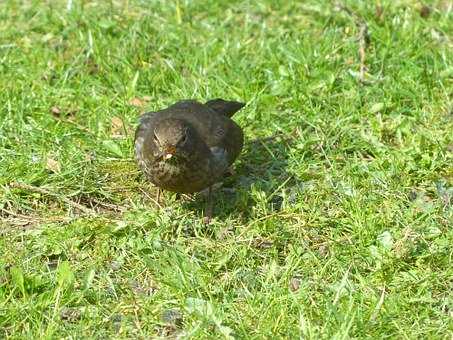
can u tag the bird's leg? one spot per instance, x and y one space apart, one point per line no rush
208 209
230 172
159 191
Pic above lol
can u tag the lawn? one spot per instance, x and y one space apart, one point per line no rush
337 222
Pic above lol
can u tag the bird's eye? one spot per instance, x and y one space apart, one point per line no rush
183 140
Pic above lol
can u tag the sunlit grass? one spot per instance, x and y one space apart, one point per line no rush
337 222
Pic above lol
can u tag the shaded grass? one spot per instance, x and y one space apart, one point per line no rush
339 225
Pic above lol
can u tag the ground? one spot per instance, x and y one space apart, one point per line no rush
335 224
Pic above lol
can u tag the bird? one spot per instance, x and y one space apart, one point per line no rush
189 146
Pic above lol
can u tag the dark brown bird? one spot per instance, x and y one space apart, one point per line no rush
188 146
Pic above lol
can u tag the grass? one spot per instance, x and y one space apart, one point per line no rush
339 226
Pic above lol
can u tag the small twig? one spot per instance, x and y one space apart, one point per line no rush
363 34
378 306
46 192
363 38
14 220
106 205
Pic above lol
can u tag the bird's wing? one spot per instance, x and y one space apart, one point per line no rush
217 130
232 139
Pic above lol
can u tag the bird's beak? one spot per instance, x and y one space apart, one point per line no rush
169 152
163 156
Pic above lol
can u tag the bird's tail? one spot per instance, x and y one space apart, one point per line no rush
224 107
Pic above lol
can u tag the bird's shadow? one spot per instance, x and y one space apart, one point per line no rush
260 175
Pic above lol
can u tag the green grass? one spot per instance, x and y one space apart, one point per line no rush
339 226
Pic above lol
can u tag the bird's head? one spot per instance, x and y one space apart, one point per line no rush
173 138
